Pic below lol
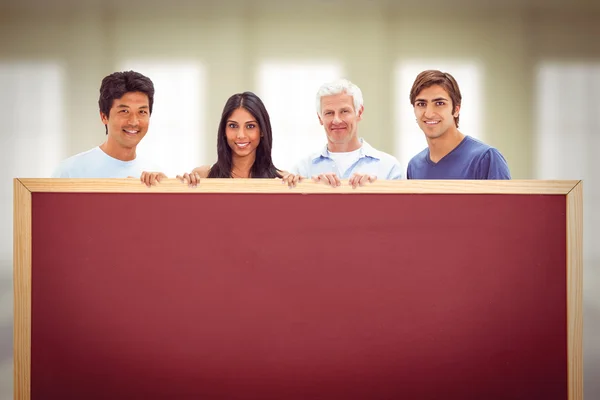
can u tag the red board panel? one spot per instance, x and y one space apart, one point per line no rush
289 296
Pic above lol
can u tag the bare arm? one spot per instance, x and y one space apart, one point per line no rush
291 179
193 178
202 171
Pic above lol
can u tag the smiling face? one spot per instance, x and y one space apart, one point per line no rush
433 109
340 120
128 120
242 132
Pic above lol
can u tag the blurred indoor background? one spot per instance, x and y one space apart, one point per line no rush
529 72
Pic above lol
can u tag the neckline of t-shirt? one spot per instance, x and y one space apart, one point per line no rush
116 160
428 158
333 154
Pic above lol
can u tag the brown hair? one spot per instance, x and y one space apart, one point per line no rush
434 77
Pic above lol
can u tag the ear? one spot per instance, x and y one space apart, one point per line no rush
360 112
104 118
456 111
320 120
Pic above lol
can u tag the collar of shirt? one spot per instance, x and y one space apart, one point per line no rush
365 151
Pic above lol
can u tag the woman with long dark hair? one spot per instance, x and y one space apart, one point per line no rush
244 141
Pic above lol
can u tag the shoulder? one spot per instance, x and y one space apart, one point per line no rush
480 149
472 150
490 161
388 166
304 166
69 167
313 156
142 162
202 170
381 155
496 164
391 164
386 158
493 153
84 156
419 158
418 165
476 146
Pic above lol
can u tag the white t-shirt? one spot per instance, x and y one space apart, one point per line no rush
343 161
95 163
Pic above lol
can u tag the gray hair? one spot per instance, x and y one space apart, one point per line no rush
337 87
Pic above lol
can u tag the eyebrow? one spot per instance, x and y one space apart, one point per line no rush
247 122
340 109
126 106
434 100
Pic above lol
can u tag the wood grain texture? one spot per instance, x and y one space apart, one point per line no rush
575 291
22 291
305 187
23 189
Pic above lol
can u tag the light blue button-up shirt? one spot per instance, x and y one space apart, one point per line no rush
369 161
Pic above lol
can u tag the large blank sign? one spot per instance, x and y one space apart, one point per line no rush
245 289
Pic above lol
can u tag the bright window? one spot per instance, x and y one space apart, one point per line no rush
176 135
567 141
289 91
32 141
568 116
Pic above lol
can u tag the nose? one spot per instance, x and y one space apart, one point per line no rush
133 119
336 118
241 132
429 111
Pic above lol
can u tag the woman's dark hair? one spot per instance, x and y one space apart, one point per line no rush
263 164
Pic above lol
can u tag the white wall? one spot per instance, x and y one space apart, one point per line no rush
232 39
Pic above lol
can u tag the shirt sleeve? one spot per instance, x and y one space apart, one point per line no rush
396 172
408 172
494 166
61 171
300 169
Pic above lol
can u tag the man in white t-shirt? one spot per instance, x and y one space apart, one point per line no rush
346 155
125 102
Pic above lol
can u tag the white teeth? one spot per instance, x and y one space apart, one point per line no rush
432 122
242 144
130 131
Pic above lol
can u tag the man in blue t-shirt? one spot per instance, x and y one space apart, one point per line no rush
450 154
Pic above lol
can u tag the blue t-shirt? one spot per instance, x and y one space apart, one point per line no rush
471 159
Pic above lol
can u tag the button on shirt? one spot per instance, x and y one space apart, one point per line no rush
368 161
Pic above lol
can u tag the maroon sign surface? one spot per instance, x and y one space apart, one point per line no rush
289 296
